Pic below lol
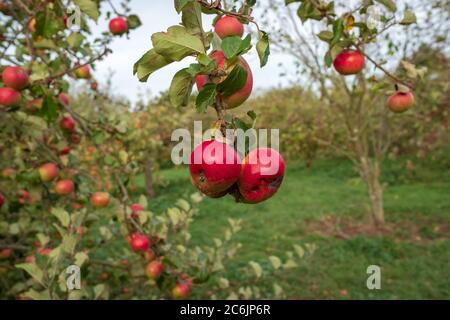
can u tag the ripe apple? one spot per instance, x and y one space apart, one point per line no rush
34 105
229 26
63 99
6 253
139 242
136 208
118 26
349 62
45 251
64 151
64 187
240 96
400 101
48 172
214 168
181 291
83 72
24 196
80 230
261 176
100 199
67 123
2 200
94 85
75 138
9 97
30 259
15 77
154 269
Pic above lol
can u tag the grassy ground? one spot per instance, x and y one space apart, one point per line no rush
327 205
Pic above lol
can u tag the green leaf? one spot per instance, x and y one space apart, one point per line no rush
192 19
206 97
328 59
75 39
49 109
326 35
263 48
390 4
81 258
252 115
177 43
149 63
409 18
69 243
36 295
33 270
180 4
235 46
235 81
133 21
62 215
181 88
89 7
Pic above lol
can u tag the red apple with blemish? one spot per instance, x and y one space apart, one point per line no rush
228 26
261 176
240 96
214 168
349 62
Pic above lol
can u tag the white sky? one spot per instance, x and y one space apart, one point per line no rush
158 15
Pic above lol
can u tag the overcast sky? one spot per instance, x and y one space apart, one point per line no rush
158 15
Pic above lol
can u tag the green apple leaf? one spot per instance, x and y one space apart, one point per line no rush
206 97
181 88
149 63
408 18
235 81
89 7
177 43
389 4
263 48
235 46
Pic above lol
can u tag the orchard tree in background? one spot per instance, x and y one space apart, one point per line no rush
342 50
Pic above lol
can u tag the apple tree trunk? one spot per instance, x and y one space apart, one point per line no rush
370 172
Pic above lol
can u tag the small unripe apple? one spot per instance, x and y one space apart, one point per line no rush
15 77
118 26
214 167
228 26
100 199
261 176
83 72
400 101
9 97
349 62
67 123
64 99
240 96
48 172
64 187
154 269
139 242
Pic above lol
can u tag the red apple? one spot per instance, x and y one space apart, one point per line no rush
67 123
400 101
64 187
349 62
100 199
229 26
34 105
181 291
80 230
240 96
136 208
139 242
63 99
48 172
66 21
154 269
9 97
15 77
94 85
2 200
24 196
30 259
64 151
214 168
118 26
45 251
6 253
261 176
83 72
75 138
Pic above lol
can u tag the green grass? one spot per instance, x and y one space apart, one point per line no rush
410 269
